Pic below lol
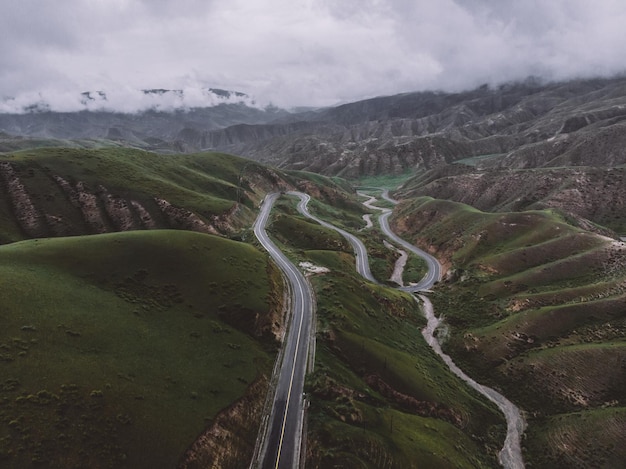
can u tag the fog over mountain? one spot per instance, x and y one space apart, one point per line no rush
124 100
295 53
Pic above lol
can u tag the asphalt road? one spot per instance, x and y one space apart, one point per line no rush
434 268
282 441
362 263
510 455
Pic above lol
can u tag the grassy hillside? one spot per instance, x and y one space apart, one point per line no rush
535 307
63 191
379 395
11 143
117 350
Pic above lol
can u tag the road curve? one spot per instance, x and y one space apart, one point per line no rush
282 440
510 455
433 274
360 252
434 268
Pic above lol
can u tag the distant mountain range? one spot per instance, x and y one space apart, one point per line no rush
126 100
210 94
160 120
520 125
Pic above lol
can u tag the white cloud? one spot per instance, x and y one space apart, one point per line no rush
300 52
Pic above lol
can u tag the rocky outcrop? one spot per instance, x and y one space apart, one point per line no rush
229 441
409 403
146 220
183 219
584 194
30 220
88 211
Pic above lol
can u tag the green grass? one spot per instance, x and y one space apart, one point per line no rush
572 376
367 331
118 348
10 144
327 184
385 181
415 269
535 308
591 438
303 233
384 437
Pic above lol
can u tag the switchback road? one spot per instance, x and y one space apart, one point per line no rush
511 453
282 441
362 263
434 268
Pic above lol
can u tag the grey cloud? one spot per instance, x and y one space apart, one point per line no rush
302 52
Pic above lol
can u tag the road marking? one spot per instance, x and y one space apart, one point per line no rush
293 371
298 283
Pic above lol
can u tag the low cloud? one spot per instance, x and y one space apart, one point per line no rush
122 99
295 52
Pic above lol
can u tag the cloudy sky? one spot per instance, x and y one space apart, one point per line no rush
298 52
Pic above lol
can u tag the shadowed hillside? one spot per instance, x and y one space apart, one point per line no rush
119 350
126 344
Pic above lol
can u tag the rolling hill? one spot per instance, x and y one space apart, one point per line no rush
535 307
119 350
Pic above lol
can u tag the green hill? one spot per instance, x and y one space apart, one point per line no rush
63 191
380 397
535 307
117 350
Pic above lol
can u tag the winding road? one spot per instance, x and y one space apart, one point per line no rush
282 438
510 455
433 274
360 252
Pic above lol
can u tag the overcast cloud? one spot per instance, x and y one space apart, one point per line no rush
297 52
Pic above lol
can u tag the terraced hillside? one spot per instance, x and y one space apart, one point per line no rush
535 307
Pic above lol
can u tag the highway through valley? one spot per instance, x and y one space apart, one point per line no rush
281 442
